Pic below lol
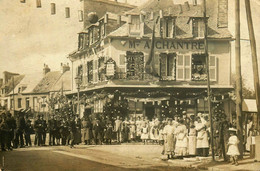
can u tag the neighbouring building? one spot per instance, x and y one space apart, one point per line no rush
35 89
114 52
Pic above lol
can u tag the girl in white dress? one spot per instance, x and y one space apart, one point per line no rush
233 141
145 133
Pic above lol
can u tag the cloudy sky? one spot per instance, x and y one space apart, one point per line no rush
30 36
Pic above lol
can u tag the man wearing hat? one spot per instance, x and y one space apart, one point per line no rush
44 129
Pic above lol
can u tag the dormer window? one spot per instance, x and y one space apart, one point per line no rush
134 24
168 27
198 27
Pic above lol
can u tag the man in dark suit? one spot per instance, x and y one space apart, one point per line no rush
38 131
44 130
52 126
72 130
20 126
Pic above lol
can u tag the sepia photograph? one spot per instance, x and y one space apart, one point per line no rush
133 85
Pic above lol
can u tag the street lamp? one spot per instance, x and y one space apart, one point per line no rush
78 83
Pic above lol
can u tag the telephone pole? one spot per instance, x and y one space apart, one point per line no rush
238 79
208 78
254 57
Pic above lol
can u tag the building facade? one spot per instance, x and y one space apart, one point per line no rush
150 60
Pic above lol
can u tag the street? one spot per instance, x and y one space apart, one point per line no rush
79 158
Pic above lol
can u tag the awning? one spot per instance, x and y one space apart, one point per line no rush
249 105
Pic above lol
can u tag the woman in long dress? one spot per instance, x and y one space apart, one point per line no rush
145 133
192 141
181 139
202 139
132 129
169 141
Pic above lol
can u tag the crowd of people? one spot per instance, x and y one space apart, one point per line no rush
183 135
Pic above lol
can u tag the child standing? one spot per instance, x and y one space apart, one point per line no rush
233 141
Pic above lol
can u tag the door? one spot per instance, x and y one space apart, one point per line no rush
149 112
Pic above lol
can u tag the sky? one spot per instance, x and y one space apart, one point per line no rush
30 36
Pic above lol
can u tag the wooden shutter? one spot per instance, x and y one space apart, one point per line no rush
67 12
157 63
187 66
163 65
201 28
213 68
180 67
171 66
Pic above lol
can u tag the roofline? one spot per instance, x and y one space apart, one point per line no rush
117 3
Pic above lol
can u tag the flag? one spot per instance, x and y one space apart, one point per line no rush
150 65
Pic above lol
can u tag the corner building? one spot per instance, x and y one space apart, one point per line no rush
113 52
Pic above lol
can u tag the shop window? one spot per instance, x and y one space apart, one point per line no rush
134 24
27 101
137 107
183 67
90 71
167 66
135 65
198 27
19 102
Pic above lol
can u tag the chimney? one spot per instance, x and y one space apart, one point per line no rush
64 68
180 9
46 69
187 6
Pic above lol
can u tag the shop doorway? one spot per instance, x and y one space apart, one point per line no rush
149 112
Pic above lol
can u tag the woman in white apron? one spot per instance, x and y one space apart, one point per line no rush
169 141
202 139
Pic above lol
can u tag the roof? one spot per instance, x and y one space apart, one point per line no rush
249 105
12 83
183 16
64 82
47 82
29 82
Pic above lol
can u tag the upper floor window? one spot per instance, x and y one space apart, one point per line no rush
167 27
135 65
198 27
27 102
90 71
167 66
19 102
134 24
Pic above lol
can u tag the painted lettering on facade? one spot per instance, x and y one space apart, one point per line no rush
164 44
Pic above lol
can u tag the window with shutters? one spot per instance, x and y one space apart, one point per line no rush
168 66
199 70
169 27
90 71
134 24
135 65
101 69
95 71
183 67
198 27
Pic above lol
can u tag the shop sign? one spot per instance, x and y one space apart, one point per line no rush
167 44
